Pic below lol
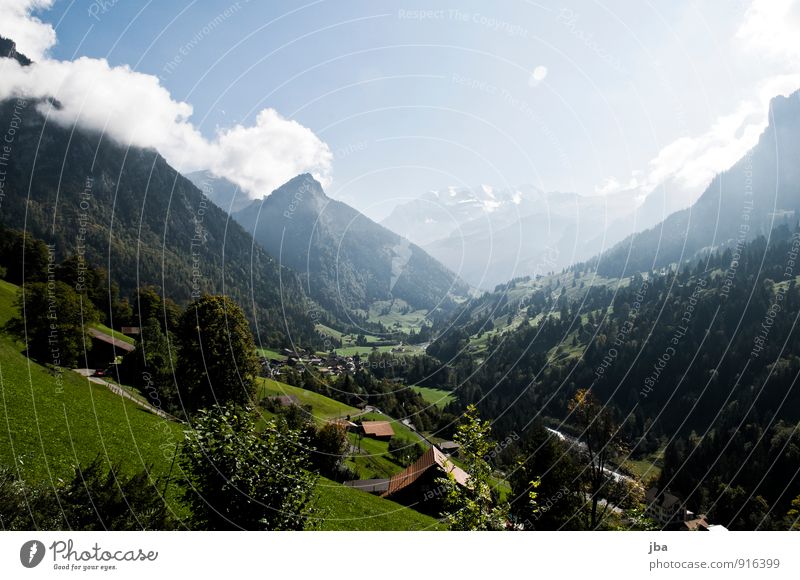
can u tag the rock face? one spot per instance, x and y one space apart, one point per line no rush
760 192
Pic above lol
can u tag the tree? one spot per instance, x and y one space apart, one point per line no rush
150 367
793 515
330 444
471 506
543 458
17 249
95 498
238 477
52 320
599 433
217 360
150 306
109 499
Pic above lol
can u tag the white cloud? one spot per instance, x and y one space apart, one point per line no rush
261 157
33 37
690 163
134 108
770 28
538 75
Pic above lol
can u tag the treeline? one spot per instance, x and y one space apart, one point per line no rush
128 210
668 352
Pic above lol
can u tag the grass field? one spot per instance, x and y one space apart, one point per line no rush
437 397
391 315
375 463
270 354
322 407
344 508
49 421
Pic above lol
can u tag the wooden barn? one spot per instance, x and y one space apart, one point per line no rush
417 487
377 430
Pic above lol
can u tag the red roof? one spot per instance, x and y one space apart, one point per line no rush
430 459
378 428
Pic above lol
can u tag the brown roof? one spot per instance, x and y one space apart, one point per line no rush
699 524
378 428
117 343
431 458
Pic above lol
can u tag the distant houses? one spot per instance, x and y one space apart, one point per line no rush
669 512
331 364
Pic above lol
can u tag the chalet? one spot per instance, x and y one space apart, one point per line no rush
377 429
105 349
695 525
666 509
417 486
450 448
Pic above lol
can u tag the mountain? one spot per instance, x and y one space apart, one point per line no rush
8 49
348 262
222 192
127 210
489 235
760 192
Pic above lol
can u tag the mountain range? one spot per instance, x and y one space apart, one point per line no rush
491 235
758 193
347 261
127 210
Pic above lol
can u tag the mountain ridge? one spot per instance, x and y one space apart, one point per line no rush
347 261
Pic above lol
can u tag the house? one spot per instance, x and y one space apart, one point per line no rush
695 525
665 509
417 486
105 349
377 429
450 448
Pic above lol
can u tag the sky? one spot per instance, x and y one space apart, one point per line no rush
383 101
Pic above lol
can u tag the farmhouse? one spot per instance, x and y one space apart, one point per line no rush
105 349
377 429
416 486
666 509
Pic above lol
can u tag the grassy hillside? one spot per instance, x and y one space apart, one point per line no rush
322 407
437 397
50 422
344 508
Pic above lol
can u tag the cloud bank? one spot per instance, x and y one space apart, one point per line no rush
688 164
135 109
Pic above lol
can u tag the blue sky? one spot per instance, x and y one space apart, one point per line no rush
413 96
